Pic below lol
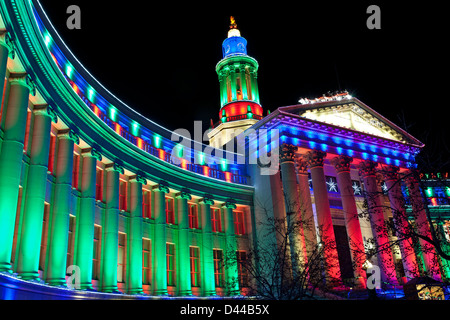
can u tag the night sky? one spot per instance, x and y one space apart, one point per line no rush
160 58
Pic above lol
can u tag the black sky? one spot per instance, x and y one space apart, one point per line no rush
160 58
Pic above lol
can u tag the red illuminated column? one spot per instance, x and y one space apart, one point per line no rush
293 214
305 206
355 239
430 256
325 223
403 229
376 216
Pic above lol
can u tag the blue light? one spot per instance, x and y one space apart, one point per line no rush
397 162
337 140
310 134
387 160
349 152
323 147
362 146
312 144
374 157
348 142
365 155
295 141
373 148
323 137
339 150
385 151
234 46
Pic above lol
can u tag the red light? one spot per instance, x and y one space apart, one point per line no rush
118 128
228 176
206 171
161 154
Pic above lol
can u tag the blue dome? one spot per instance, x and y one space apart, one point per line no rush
233 46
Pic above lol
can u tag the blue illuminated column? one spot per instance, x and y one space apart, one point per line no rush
59 219
11 163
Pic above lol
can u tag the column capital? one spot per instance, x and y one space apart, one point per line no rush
163 186
7 42
230 204
46 110
69 134
113 166
25 80
287 152
389 172
138 178
185 194
91 152
367 168
315 158
301 165
207 199
342 163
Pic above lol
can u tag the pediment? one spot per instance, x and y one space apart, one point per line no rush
354 117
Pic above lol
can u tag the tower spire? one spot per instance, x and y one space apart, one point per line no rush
234 31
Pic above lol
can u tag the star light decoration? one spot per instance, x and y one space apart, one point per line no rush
332 185
356 188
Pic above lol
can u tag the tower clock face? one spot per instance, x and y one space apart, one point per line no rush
227 49
240 46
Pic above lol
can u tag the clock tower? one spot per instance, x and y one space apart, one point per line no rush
239 96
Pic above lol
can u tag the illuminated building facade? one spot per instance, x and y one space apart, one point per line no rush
86 181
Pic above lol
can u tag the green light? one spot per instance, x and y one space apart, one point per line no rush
157 141
201 158
113 113
69 71
135 128
223 165
180 151
91 94
447 191
429 191
47 40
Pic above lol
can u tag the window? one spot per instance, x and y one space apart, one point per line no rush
123 195
170 254
249 86
238 222
195 266
146 261
75 170
51 154
219 274
99 185
193 216
146 208
216 222
170 212
238 88
96 253
241 257
228 82
121 258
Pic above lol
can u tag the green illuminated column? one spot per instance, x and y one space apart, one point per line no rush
231 267
11 164
208 281
159 242
243 82
59 219
254 84
33 213
134 239
233 84
223 84
110 243
184 273
84 242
